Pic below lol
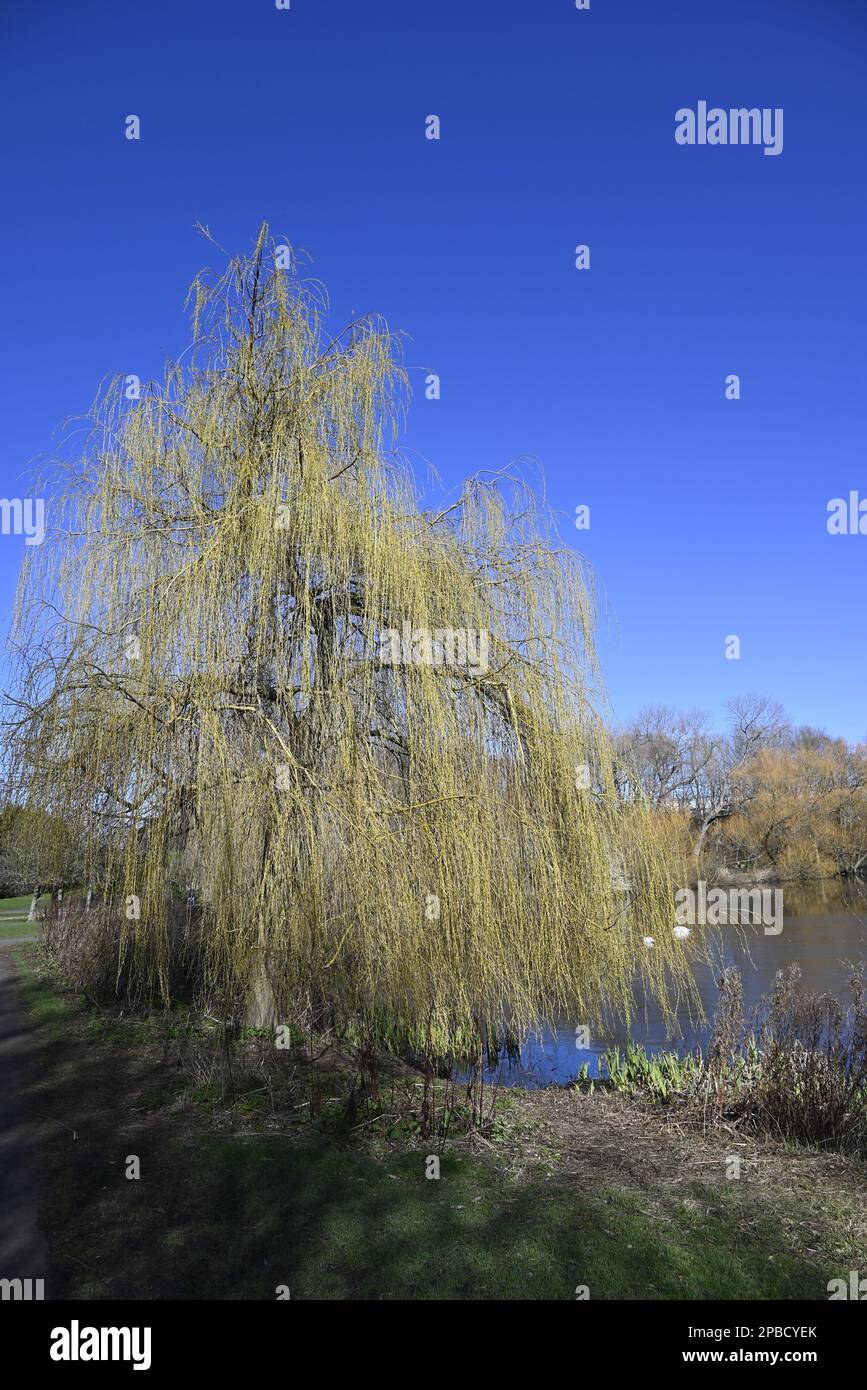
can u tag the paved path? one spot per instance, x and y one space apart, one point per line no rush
23 1254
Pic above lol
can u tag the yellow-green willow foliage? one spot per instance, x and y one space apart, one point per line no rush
209 697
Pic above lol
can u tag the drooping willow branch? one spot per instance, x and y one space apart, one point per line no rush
202 639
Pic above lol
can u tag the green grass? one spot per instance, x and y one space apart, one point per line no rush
13 916
235 1219
13 904
216 1215
17 926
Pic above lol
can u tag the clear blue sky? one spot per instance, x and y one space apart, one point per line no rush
708 516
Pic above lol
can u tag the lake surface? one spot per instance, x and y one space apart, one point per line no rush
824 932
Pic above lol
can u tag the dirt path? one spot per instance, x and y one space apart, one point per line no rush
22 1249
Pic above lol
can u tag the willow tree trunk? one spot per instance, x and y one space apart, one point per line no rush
261 1008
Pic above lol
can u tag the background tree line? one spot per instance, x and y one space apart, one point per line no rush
762 795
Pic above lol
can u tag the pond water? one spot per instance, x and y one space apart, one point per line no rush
824 932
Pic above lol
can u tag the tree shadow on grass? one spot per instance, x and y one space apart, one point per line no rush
214 1216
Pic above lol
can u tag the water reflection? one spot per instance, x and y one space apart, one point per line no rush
824 932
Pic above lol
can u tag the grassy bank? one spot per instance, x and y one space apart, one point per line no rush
13 916
237 1197
13 927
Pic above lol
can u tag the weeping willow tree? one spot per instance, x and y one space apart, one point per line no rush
365 730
